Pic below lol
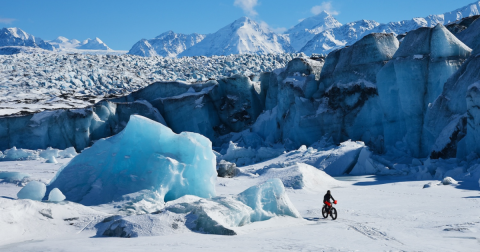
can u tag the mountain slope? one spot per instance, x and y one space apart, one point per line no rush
244 36
93 44
17 37
168 44
304 31
328 40
64 44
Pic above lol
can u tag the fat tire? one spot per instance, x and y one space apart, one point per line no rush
324 212
333 213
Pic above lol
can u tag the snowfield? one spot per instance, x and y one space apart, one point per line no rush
376 213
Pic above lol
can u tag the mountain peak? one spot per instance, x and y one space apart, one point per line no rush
323 14
17 37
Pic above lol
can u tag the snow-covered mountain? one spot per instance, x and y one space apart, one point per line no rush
304 31
348 34
63 44
168 44
93 44
17 37
244 36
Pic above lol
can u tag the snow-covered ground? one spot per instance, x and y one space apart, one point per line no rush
32 82
376 213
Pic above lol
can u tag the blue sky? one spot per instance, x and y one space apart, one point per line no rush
121 23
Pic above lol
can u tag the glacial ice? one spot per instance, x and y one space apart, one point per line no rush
406 85
98 76
259 198
56 195
219 215
301 176
449 181
13 177
145 155
34 190
19 154
50 153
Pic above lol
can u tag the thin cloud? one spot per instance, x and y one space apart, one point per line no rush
248 6
6 20
324 6
277 30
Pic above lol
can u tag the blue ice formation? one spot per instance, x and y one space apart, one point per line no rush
145 155
34 190
413 80
56 195
50 154
260 199
14 154
13 177
219 215
77 128
301 176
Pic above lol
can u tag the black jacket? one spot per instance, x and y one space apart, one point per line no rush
327 197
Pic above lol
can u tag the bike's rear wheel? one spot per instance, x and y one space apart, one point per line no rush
324 212
333 213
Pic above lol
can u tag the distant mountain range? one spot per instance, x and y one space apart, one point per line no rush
63 43
168 44
319 34
15 37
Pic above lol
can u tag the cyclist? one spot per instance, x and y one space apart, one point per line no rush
326 200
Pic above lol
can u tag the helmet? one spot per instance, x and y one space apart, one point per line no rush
328 191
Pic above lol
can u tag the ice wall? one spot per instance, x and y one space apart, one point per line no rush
73 127
334 96
145 155
412 80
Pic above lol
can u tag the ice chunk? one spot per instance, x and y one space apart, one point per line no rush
366 165
226 169
67 153
449 181
52 160
268 200
302 176
49 153
19 154
145 155
34 190
220 215
13 177
56 195
142 225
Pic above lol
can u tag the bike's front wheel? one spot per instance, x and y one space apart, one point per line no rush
324 212
333 213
